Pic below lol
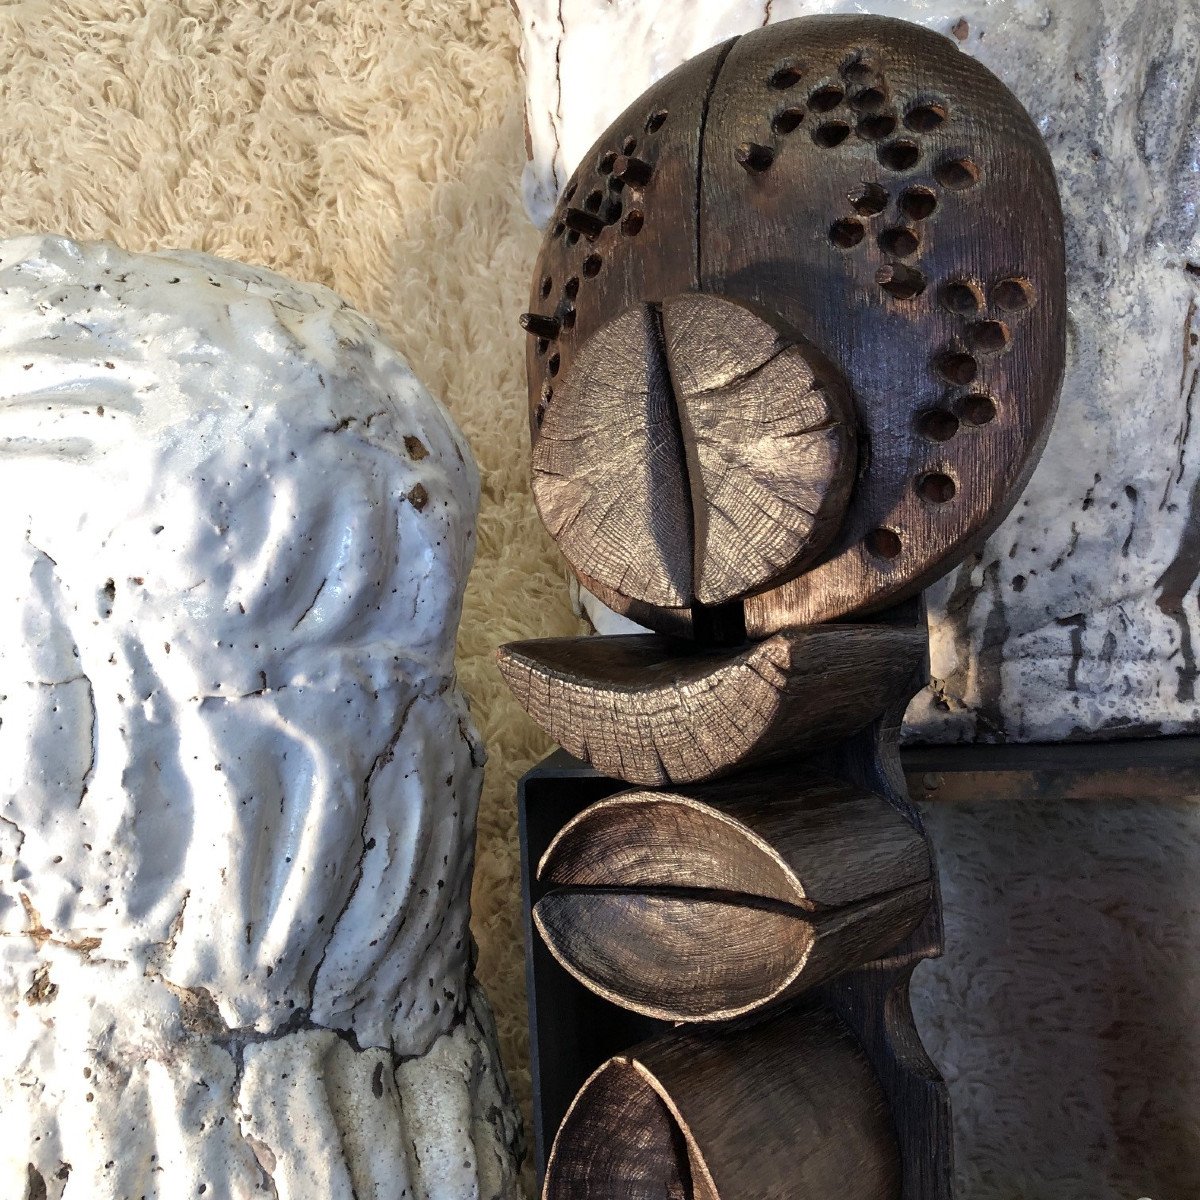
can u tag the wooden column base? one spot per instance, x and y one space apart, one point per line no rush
573 1031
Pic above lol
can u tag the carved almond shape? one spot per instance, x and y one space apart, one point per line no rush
784 1109
708 903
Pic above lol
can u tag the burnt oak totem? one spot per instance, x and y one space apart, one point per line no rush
795 339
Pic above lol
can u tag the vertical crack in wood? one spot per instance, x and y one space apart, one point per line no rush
698 196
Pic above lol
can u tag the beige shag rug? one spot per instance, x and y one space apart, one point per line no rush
374 146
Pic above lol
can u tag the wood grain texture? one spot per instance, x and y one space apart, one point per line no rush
786 1107
862 183
652 710
707 903
680 475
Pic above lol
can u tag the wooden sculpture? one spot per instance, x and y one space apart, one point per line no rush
795 339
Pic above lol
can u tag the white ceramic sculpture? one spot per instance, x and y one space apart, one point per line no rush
238 781
1080 617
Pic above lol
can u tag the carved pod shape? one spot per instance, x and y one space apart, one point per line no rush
705 904
784 1108
857 225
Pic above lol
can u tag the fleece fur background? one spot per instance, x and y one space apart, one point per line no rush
376 146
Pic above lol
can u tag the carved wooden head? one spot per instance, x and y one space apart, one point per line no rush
797 327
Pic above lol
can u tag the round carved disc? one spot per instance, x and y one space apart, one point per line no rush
695 454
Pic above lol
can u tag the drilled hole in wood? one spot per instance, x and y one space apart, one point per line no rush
857 70
900 281
543 344
884 543
572 237
977 409
936 488
956 174
753 157
786 76
988 337
571 287
539 414
631 226
591 265
604 163
899 155
559 226
547 285
656 120
832 133
571 189
568 317
925 118
917 203
957 367
899 241
593 201
869 200
869 100
937 424
826 99
961 297
846 233
612 211
629 145
788 120
1012 295
552 364
876 126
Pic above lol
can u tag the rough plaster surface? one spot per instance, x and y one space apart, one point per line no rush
238 780
1080 616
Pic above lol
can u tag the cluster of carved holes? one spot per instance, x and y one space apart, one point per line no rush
608 208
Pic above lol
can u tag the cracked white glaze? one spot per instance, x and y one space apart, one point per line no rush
238 782
1080 617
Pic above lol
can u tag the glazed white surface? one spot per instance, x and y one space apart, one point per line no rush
1080 616
238 781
